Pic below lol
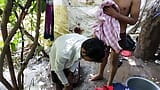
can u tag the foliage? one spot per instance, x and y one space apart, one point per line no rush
16 41
15 29
20 26
29 23
1 45
2 3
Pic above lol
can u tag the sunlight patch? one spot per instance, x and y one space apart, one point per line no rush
131 61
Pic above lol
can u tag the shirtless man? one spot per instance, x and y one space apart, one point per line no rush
129 13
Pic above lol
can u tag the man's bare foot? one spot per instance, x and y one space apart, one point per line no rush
96 77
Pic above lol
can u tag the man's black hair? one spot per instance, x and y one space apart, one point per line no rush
95 49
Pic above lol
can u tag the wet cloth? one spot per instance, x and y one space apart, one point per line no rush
65 54
119 86
115 86
123 40
126 42
105 88
107 28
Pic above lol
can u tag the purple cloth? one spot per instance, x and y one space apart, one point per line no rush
49 21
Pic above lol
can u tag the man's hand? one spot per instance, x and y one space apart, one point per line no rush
68 87
70 79
111 11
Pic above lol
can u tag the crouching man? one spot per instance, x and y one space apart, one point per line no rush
66 53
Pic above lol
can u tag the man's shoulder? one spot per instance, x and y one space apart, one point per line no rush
136 1
72 35
70 38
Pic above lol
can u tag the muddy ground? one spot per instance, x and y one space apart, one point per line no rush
38 77
130 67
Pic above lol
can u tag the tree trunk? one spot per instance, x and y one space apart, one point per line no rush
34 45
5 20
148 41
7 39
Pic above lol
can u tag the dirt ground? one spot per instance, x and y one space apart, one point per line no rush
38 77
130 67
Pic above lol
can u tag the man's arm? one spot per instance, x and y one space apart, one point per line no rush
64 80
62 77
59 67
134 13
60 63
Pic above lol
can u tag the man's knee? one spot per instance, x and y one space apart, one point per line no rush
114 59
114 63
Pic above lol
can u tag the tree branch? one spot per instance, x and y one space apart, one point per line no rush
34 45
31 37
6 83
13 31
5 20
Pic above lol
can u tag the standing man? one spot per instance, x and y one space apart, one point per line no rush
129 13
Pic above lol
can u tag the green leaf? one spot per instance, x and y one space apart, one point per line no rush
43 5
2 3
1 44
13 47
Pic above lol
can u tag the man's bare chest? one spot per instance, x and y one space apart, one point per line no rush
124 5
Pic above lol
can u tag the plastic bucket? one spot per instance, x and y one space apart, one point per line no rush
139 83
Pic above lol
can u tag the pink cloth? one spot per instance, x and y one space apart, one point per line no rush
107 28
105 88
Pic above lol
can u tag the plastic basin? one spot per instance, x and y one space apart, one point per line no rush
140 83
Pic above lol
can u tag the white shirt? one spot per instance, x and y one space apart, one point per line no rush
65 54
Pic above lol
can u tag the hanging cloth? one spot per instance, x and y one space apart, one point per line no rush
49 20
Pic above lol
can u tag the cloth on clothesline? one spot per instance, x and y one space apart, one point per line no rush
107 28
49 20
61 22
